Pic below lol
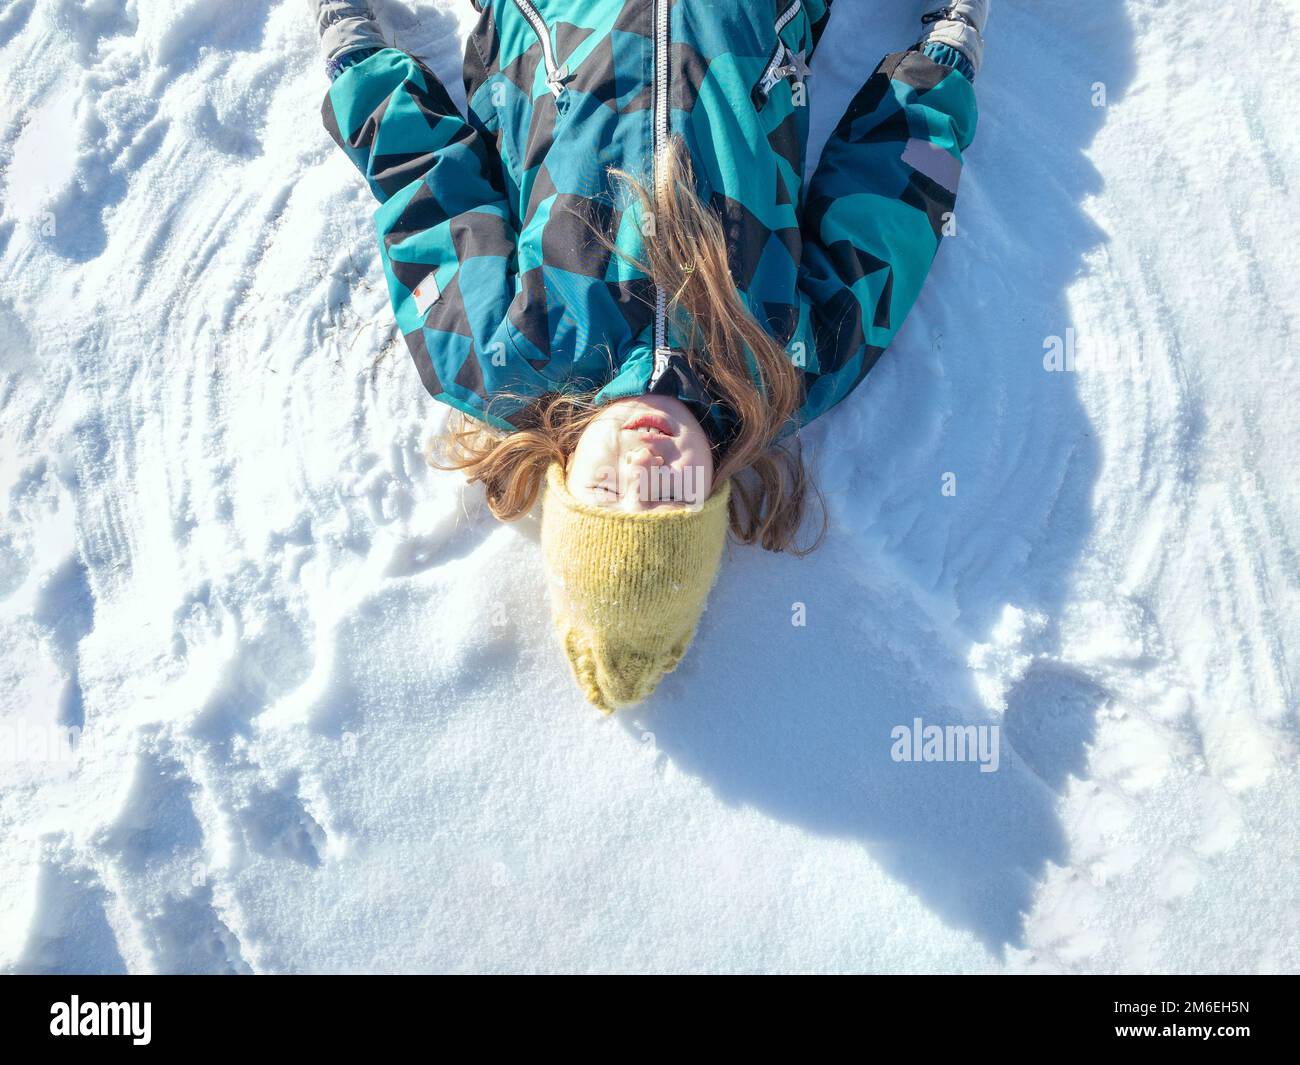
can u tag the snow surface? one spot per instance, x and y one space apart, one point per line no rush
327 726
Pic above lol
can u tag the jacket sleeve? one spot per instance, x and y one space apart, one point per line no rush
447 241
874 214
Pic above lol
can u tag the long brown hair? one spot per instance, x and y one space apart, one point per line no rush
737 360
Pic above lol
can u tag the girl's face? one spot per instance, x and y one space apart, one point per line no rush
642 452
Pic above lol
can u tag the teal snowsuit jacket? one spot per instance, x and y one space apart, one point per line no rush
497 282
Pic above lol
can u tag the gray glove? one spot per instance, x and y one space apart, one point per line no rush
960 26
345 26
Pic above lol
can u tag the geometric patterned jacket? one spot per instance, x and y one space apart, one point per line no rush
496 282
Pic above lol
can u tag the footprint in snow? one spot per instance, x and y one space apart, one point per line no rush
277 825
70 931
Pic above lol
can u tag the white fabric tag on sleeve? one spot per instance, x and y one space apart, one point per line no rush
426 294
932 161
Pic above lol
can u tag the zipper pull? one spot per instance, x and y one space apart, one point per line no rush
662 359
555 81
776 70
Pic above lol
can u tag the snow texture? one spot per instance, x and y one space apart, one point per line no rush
327 726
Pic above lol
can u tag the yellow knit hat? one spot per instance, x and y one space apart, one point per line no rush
627 590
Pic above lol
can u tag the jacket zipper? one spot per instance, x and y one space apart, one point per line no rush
555 74
660 106
775 69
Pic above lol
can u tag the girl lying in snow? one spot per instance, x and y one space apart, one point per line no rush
613 271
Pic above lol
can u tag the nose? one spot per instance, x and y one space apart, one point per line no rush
644 455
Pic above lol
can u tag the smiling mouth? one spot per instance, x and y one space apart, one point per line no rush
656 423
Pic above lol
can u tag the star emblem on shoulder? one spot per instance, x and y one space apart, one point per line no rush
796 64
